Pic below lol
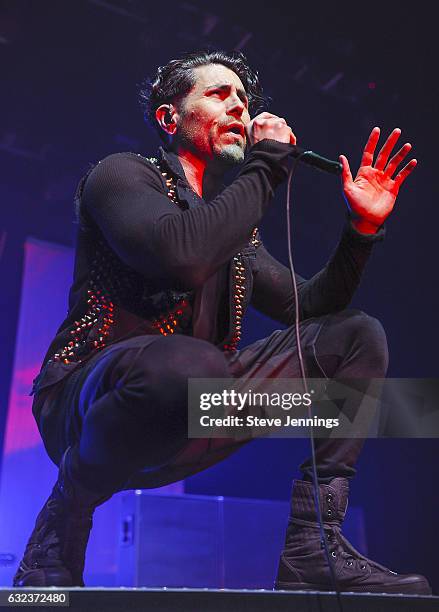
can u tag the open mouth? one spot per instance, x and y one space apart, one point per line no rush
236 129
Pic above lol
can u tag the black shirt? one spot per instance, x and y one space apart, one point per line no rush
159 250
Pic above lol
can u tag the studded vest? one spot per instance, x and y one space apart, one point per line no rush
113 286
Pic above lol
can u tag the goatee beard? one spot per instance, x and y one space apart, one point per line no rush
231 155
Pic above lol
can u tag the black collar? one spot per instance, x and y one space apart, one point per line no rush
173 163
185 193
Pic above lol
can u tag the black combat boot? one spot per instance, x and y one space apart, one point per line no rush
55 552
303 564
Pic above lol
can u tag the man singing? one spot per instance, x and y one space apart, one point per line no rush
167 261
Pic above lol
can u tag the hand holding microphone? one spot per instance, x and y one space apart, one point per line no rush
267 125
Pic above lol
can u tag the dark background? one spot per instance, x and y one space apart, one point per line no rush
69 80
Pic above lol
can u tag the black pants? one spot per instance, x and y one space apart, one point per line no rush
126 409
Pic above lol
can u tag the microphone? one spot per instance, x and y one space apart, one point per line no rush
313 159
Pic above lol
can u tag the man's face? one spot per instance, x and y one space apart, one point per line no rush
213 115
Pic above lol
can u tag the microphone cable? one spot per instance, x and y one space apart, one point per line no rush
324 543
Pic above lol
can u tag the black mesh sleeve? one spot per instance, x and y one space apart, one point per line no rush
328 291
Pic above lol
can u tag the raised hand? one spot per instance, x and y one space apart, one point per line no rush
372 195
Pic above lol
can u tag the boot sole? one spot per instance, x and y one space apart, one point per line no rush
48 577
392 589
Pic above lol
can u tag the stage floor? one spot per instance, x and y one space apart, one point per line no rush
213 600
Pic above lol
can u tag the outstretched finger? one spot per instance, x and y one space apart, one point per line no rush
346 175
369 149
401 176
386 149
397 159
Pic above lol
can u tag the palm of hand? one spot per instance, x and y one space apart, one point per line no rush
371 196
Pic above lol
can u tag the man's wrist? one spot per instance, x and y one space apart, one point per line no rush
353 234
364 227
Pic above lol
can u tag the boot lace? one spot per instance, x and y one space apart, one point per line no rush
343 548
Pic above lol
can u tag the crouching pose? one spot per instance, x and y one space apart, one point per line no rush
167 261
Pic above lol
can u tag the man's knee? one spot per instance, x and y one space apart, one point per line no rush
366 327
194 358
368 333
153 378
175 359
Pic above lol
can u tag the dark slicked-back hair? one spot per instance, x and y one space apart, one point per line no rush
173 82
